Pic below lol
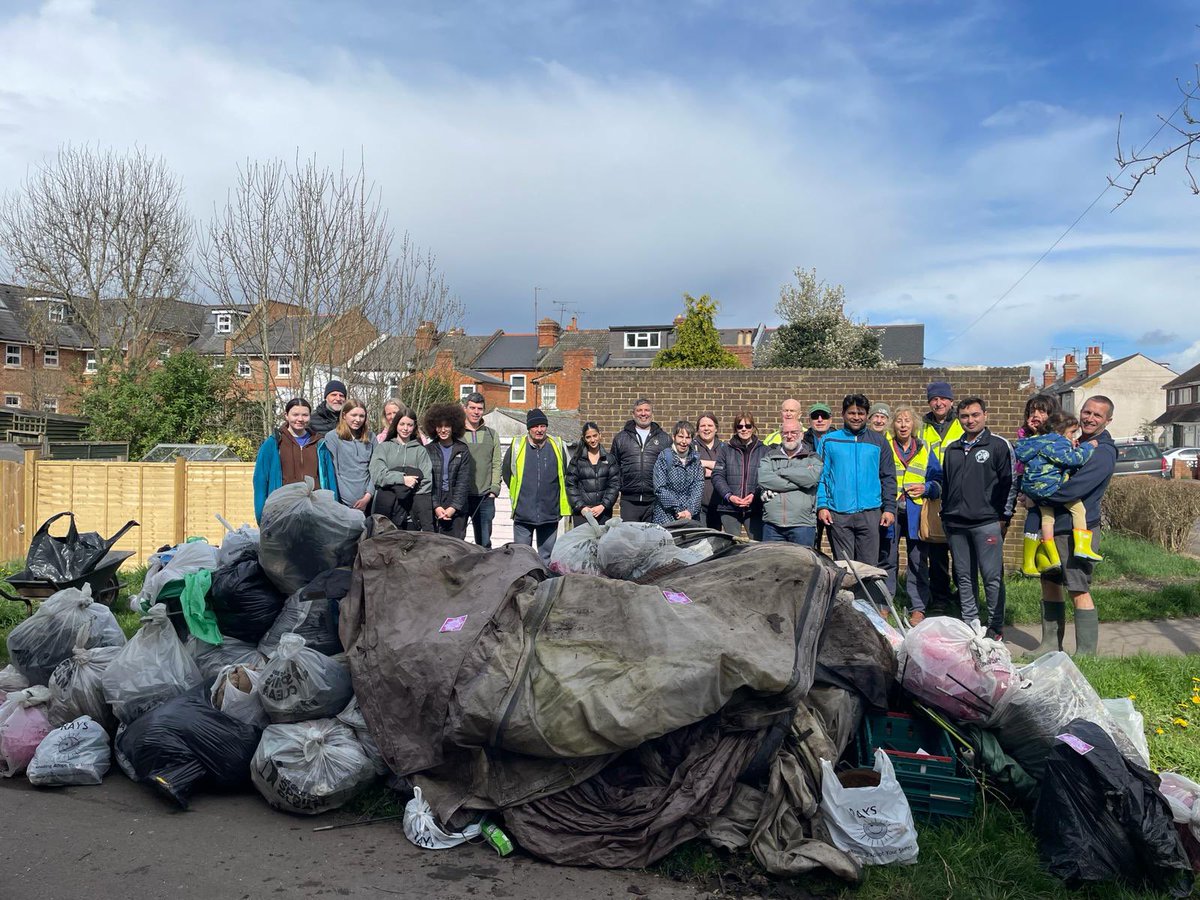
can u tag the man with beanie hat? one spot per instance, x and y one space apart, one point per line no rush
325 417
940 428
535 468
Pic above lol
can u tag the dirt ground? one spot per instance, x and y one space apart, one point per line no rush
120 840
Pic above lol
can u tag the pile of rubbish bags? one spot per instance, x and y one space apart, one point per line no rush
651 687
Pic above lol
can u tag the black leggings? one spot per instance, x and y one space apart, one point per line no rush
408 511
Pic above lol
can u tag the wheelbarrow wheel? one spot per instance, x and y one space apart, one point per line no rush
108 591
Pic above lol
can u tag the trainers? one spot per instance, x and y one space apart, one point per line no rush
916 617
995 634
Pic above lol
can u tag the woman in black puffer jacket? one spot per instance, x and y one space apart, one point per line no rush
593 478
735 480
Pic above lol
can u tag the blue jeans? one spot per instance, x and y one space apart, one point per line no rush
803 535
546 534
482 511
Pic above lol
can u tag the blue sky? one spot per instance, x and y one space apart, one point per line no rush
617 155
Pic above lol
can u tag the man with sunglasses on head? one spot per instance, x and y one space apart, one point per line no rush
857 491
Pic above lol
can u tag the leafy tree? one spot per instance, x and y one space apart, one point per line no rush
697 343
422 391
181 401
817 333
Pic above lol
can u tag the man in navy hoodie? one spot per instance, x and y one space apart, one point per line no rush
1087 484
857 491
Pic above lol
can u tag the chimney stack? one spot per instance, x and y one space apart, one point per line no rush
1094 360
426 332
548 332
574 326
1049 375
1070 368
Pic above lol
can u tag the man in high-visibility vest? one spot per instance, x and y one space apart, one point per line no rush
939 428
535 468
789 413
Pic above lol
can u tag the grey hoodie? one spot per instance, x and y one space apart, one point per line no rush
351 465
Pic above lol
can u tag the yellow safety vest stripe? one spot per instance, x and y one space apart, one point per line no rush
914 472
514 484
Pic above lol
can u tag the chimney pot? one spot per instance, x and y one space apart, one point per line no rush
1049 375
1094 360
548 333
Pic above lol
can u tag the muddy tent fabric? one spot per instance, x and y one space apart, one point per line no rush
489 654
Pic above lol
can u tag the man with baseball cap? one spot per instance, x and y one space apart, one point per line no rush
325 417
535 468
820 418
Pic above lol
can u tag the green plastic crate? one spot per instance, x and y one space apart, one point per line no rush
900 736
934 795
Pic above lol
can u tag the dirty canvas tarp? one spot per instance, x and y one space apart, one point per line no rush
487 654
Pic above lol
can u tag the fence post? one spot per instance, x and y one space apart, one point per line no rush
180 500
28 514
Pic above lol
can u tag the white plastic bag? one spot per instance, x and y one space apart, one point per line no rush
236 542
76 685
151 668
1183 795
311 767
12 680
577 551
306 532
299 684
229 696
76 752
23 725
872 824
169 566
878 622
48 637
955 669
422 828
1133 724
352 716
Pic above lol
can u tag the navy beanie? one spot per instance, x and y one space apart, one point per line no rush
939 389
535 417
332 386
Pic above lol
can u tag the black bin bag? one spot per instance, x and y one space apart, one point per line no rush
185 742
312 612
1099 817
70 557
244 599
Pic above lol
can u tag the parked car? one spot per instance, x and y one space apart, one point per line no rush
1140 457
1190 455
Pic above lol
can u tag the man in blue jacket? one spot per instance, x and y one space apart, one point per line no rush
1087 484
857 491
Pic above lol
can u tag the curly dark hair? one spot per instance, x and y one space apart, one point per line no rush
445 414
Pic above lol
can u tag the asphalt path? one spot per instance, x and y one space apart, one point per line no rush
120 840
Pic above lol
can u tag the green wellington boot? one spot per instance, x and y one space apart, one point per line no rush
1087 632
1054 627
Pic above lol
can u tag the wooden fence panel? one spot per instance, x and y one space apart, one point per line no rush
225 488
12 499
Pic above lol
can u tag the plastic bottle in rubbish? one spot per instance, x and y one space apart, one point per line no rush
497 838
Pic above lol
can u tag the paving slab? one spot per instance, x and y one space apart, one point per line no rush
1164 637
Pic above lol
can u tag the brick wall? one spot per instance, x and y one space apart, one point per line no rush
607 396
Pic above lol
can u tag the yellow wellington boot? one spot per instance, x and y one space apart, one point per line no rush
1047 556
1029 552
1083 545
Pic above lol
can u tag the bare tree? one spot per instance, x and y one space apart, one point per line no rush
1136 164
107 233
319 239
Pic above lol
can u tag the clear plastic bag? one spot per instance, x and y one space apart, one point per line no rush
151 668
237 541
77 689
235 692
311 767
171 565
352 716
872 824
878 622
75 752
630 551
1183 795
312 612
578 551
955 669
306 532
12 680
23 725
423 830
299 683
41 642
1051 693
212 658
1133 723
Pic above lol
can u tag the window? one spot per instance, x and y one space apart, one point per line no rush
92 364
57 312
243 368
465 391
164 351
12 400
283 367
12 354
393 388
549 396
50 358
224 323
50 405
642 340
516 393
218 363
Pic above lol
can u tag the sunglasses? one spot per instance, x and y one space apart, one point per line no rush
744 428
819 415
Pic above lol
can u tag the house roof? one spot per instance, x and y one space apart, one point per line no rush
1187 413
484 377
902 344
392 353
508 351
1188 377
595 339
283 336
1062 387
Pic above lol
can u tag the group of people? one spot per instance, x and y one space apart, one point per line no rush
940 481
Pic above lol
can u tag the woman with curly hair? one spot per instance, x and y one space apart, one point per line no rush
445 423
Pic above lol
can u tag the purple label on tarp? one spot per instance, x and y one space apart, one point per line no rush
1080 747
453 624
676 597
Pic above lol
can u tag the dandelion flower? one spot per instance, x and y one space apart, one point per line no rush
1159 731
1133 696
1182 723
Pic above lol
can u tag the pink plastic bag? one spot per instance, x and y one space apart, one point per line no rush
23 725
944 662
